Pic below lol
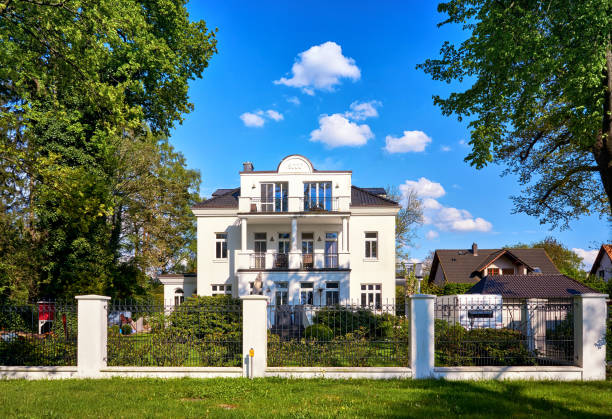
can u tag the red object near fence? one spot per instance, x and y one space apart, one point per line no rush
46 311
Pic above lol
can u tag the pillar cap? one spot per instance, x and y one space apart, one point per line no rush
92 297
591 295
255 297
422 296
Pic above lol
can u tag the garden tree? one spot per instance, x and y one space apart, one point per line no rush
540 98
409 217
79 79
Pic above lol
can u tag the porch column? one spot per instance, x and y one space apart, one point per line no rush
243 228
294 233
344 234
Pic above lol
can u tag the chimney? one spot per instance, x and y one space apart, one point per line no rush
474 249
248 166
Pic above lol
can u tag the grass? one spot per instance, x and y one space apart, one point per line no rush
302 398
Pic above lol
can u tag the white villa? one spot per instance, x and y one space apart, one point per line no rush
296 234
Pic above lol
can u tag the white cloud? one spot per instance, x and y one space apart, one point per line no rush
294 99
258 118
252 120
363 110
431 234
445 148
424 188
463 143
440 216
336 131
320 68
587 256
411 141
272 114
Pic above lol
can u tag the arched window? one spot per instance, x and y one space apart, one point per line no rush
179 296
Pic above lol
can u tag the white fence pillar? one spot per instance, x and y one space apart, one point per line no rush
590 335
92 334
422 335
254 335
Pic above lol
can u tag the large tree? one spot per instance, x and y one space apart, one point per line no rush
539 97
82 84
409 217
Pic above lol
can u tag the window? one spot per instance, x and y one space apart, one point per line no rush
221 289
332 294
179 296
508 271
307 250
221 246
259 256
274 197
317 196
281 295
331 250
284 242
602 273
371 295
493 271
306 293
371 245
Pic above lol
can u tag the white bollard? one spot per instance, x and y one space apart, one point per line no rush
254 335
590 312
422 335
92 335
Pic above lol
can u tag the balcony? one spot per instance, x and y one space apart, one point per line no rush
292 261
292 204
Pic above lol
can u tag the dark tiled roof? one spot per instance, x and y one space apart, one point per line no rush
530 286
220 192
226 200
360 197
606 249
376 191
461 266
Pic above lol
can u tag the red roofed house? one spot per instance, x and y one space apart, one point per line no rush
602 266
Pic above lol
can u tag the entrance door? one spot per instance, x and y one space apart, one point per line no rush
307 250
331 250
260 250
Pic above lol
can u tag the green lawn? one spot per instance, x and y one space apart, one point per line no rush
301 398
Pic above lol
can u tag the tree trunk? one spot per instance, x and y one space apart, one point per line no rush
602 150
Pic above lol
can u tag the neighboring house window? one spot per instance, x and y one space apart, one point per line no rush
221 246
602 273
281 295
493 271
508 271
332 294
317 195
221 289
371 245
179 296
371 295
306 293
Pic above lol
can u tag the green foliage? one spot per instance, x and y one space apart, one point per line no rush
343 320
126 329
318 332
456 346
538 98
92 195
455 288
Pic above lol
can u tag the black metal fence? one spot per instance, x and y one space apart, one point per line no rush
201 332
340 336
38 334
531 332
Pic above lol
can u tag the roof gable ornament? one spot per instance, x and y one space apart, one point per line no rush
295 164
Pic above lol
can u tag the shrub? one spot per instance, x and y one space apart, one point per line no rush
126 329
343 320
212 318
319 332
456 346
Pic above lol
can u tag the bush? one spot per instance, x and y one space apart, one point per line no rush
126 329
343 320
456 346
319 332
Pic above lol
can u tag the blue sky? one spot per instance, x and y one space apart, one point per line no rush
253 104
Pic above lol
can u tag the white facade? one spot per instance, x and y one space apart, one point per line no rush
309 236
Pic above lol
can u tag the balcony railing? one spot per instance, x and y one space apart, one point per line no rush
294 204
281 261
284 261
331 260
258 260
312 204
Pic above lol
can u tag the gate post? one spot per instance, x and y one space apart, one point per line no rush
92 334
254 335
590 335
422 335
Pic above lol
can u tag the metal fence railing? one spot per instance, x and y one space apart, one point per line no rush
340 335
486 333
201 332
38 334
